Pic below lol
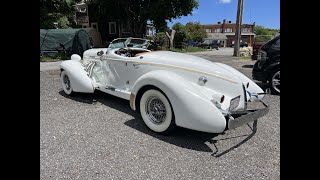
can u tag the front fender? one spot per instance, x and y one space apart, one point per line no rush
79 80
253 87
192 109
272 66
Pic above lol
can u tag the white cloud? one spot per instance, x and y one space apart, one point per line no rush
225 1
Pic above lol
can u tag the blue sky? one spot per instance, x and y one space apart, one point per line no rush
264 12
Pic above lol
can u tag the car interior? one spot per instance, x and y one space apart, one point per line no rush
127 52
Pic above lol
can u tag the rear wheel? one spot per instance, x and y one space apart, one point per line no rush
274 81
65 82
156 111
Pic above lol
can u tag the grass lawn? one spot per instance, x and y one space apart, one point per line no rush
187 49
245 57
56 57
48 59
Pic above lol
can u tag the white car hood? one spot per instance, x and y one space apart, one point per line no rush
193 63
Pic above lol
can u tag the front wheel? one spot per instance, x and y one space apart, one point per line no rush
65 82
156 111
274 81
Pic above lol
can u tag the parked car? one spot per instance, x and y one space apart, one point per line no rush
168 89
255 48
267 67
210 44
242 44
192 43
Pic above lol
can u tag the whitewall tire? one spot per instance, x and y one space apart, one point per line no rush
156 111
65 82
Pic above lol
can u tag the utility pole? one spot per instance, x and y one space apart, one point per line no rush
238 28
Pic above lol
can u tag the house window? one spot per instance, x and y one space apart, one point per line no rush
208 30
218 30
228 30
112 28
245 29
125 27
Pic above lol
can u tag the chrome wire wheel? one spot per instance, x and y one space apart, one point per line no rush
275 81
156 110
66 84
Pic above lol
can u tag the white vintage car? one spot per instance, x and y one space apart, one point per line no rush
167 88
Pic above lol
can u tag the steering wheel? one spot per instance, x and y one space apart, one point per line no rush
121 51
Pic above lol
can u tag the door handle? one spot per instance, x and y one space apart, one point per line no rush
136 65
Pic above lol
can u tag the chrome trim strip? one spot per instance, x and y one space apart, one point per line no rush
175 67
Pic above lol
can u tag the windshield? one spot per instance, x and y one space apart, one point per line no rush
136 42
128 42
118 43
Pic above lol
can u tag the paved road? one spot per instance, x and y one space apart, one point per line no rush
46 66
98 136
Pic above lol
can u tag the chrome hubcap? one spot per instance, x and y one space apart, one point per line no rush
66 81
156 110
276 81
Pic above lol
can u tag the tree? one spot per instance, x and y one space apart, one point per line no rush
264 34
171 37
182 35
160 38
60 11
196 31
138 12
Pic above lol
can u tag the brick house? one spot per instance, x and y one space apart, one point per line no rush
108 28
228 28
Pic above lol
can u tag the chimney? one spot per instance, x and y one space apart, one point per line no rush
224 21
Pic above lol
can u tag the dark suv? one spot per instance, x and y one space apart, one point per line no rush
242 44
210 44
267 67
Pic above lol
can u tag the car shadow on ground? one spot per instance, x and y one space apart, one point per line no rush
181 137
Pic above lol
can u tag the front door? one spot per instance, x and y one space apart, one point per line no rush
118 73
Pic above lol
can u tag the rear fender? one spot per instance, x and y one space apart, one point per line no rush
79 80
192 109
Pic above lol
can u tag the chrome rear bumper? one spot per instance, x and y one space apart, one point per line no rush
246 116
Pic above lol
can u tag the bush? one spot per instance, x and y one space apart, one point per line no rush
181 35
160 38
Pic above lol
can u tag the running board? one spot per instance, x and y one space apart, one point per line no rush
111 88
115 92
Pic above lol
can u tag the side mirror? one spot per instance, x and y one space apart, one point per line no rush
100 53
